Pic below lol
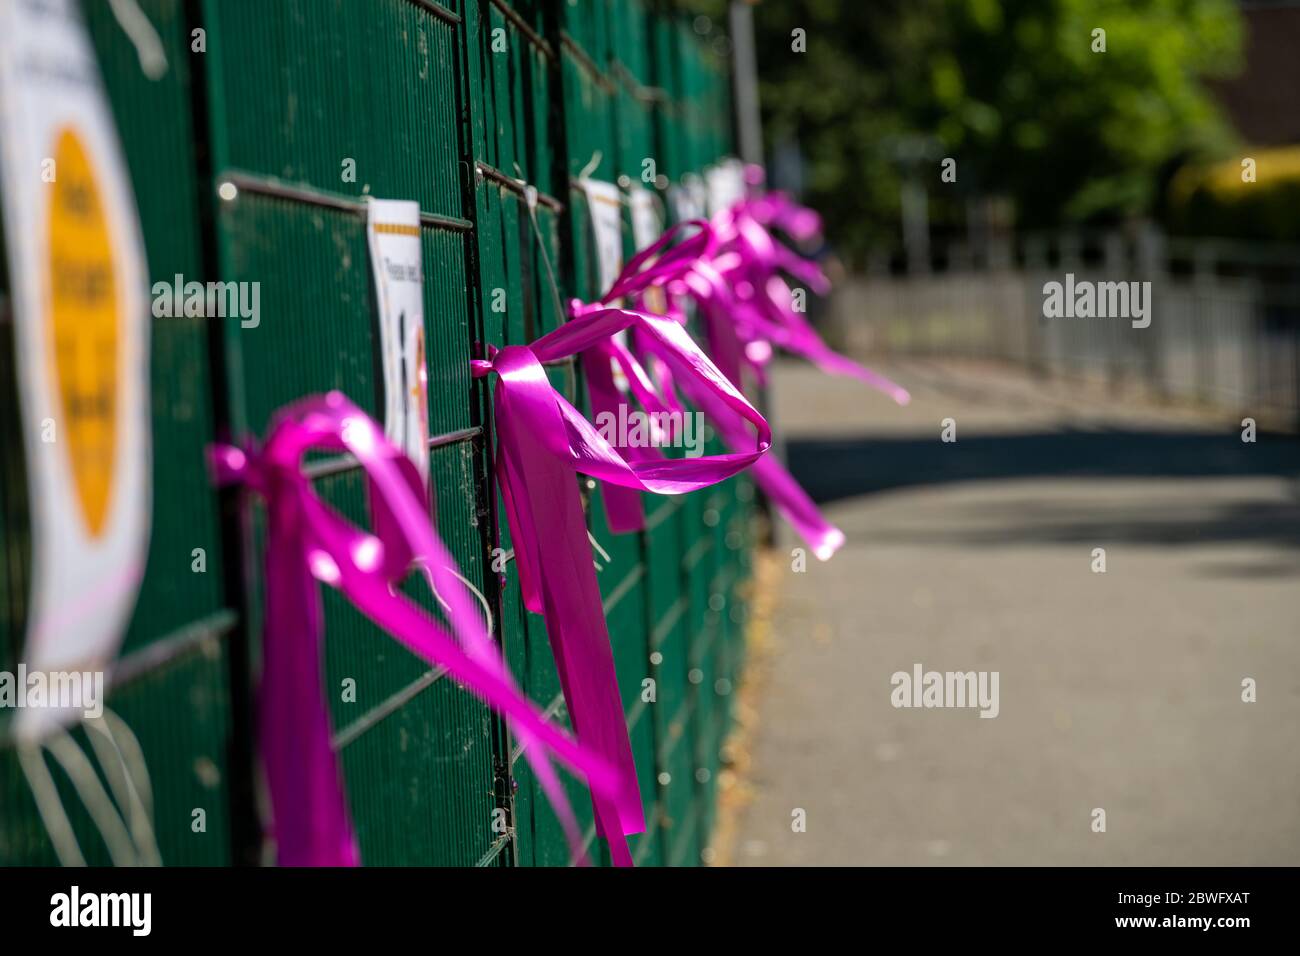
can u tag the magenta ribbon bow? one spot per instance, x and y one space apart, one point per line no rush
735 328
542 440
309 542
747 309
751 262
688 270
656 265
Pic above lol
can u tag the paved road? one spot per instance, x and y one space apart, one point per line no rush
1120 691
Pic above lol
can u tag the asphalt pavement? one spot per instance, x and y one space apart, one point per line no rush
1118 691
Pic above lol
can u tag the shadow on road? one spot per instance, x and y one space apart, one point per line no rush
834 468
837 468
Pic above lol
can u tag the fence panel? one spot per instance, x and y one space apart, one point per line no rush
300 91
253 163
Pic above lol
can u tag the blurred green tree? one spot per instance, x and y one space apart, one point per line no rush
1018 92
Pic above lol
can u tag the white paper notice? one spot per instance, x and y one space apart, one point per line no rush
726 185
645 218
605 205
393 231
690 199
79 284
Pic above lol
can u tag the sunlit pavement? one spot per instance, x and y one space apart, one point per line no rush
1119 691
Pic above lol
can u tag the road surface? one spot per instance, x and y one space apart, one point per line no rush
1118 691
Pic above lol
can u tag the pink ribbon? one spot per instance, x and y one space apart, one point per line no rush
750 263
741 329
308 542
657 264
542 440
748 312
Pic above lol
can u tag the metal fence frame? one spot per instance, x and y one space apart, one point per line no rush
1224 332
421 97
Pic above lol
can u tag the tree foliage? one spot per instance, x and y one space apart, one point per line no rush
1014 90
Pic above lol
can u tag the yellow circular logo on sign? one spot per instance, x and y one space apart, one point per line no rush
83 327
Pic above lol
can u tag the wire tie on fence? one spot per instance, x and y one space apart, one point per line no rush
530 200
130 784
482 600
591 165
112 828
140 31
48 805
601 551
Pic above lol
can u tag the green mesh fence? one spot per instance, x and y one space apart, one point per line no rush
238 156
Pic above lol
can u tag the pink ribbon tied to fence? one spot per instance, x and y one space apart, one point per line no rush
750 261
542 440
734 329
658 264
747 309
310 543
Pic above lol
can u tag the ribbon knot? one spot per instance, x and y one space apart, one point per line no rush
542 441
309 542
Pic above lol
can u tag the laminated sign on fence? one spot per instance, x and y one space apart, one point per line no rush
76 264
393 234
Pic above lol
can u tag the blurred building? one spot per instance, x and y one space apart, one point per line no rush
1262 102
